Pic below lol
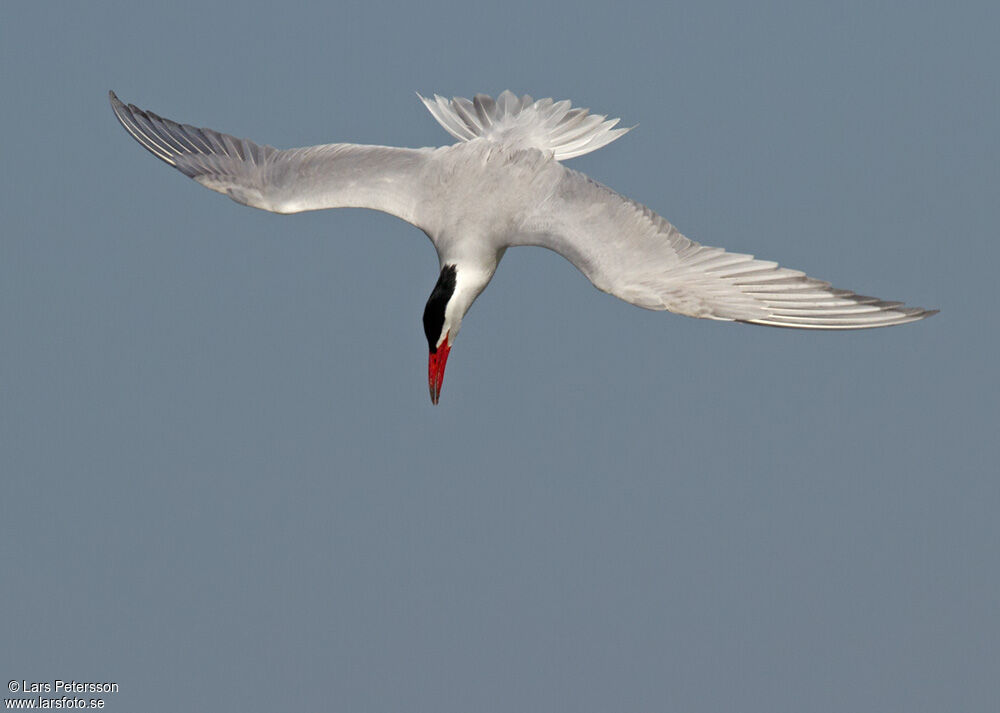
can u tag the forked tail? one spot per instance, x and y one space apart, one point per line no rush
522 122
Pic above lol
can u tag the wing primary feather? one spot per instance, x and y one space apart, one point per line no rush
129 122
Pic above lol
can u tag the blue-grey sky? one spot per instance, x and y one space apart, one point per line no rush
224 486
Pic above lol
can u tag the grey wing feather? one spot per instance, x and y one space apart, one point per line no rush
283 181
629 251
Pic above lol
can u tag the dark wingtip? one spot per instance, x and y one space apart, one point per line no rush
116 104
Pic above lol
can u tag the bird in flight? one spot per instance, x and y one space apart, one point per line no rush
503 184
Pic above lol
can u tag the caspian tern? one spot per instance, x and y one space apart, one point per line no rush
503 185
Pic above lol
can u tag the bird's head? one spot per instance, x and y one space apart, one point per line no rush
454 293
440 326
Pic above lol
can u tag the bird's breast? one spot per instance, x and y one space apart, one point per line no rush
485 191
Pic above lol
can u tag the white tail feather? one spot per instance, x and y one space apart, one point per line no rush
551 126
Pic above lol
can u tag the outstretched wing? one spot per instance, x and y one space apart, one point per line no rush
632 253
328 176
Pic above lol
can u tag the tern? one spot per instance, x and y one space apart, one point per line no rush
501 185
